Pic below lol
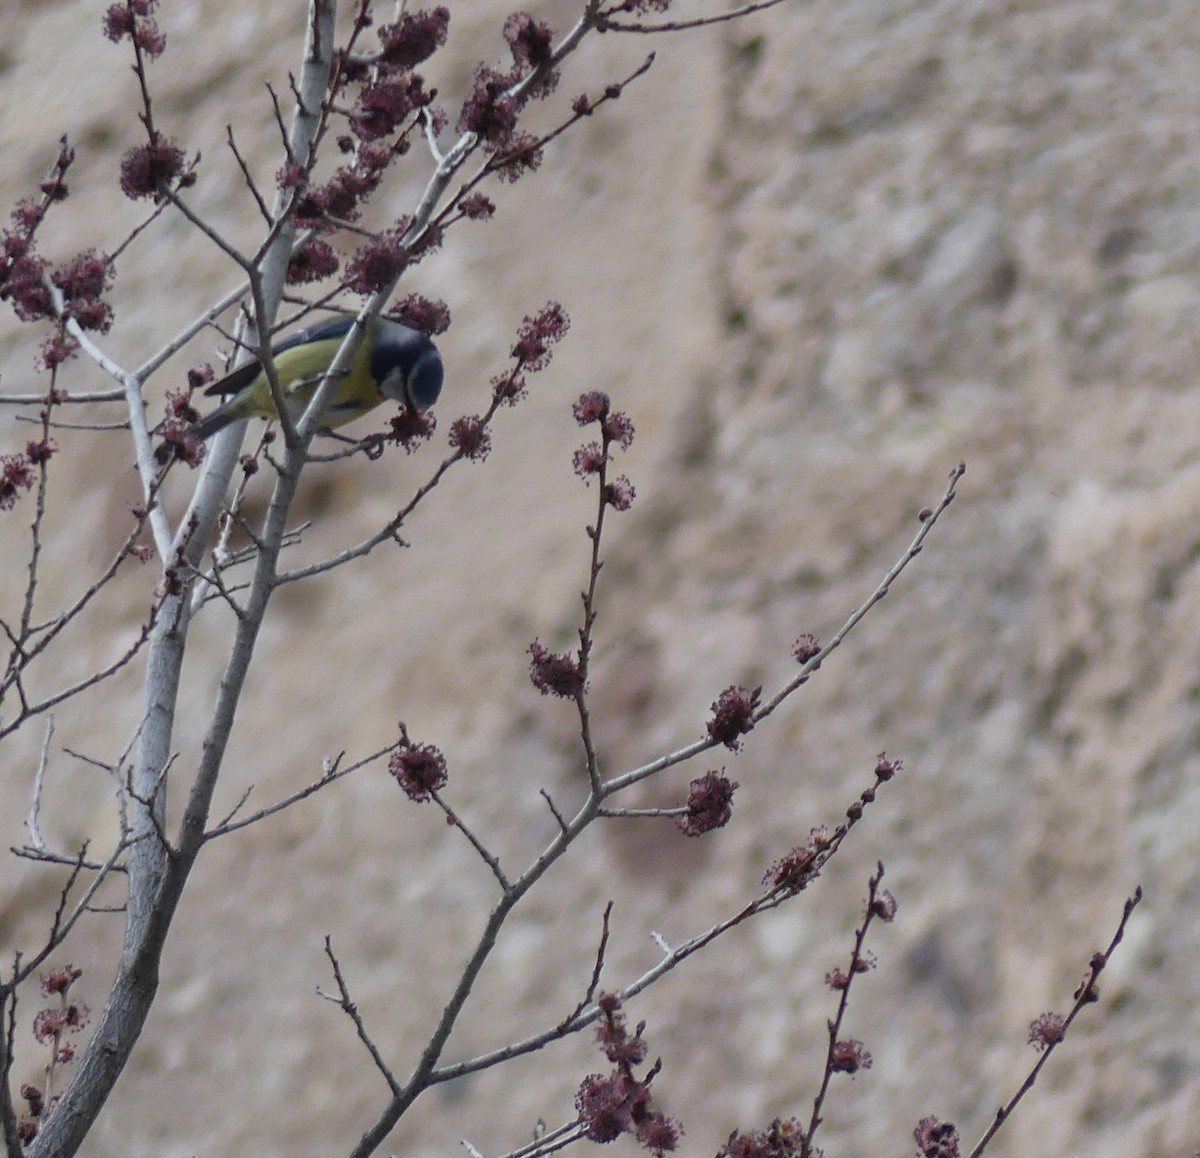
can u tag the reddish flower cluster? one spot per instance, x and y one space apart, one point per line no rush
529 40
497 98
592 407
1046 1029
838 980
532 351
523 155
429 239
82 284
50 1025
179 441
936 1139
620 1103
390 94
491 110
589 459
199 376
848 1056
806 647
781 1139
509 388
382 107
709 803
617 1104
414 38
23 276
40 451
733 715
885 769
592 458
34 1098
36 1101
793 871
293 176
313 260
25 280
149 169
59 981
17 472
378 263
134 19
56 349
538 334
618 428
477 207
410 430
420 769
22 272
884 906
428 315
339 199
619 493
469 435
613 1034
554 673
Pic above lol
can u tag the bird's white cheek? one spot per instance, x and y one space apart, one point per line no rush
393 386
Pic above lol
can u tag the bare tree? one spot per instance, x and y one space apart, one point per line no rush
368 95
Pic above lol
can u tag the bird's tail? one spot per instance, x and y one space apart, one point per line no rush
220 418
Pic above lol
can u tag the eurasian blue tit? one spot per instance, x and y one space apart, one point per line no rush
392 361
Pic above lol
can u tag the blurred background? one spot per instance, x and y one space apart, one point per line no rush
819 256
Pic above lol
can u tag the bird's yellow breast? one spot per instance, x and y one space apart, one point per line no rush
300 371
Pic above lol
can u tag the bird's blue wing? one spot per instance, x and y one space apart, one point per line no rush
244 375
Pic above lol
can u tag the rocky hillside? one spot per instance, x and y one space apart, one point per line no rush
820 257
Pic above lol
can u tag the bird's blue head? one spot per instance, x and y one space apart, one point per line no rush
407 366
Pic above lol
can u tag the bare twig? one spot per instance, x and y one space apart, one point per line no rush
328 776
61 398
858 961
348 1007
39 780
1086 994
589 996
607 25
131 386
558 816
780 888
34 709
37 637
642 813
247 177
928 520
487 857
63 924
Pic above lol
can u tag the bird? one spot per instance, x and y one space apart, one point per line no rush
392 361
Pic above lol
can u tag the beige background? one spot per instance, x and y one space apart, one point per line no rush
819 257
